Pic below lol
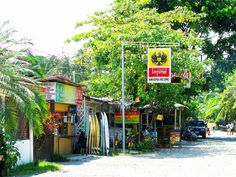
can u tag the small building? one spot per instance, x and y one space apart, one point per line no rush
164 124
65 100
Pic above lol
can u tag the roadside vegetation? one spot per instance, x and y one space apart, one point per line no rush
35 168
210 58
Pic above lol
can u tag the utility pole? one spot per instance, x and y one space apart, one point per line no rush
123 99
160 44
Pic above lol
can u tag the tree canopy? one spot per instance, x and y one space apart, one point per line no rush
133 21
217 29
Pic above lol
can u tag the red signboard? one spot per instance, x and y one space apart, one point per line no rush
159 65
159 72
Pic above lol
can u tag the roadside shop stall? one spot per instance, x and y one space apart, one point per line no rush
98 119
64 98
164 125
175 135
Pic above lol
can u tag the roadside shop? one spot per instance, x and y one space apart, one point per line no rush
164 125
65 99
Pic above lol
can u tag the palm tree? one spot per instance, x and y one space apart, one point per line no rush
18 89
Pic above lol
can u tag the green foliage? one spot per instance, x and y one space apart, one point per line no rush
217 29
8 151
146 145
222 106
19 91
35 168
113 154
57 157
132 21
47 66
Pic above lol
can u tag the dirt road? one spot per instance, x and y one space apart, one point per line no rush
212 157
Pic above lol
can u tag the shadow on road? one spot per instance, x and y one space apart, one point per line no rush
80 159
203 148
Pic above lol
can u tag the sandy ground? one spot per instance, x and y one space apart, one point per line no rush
212 157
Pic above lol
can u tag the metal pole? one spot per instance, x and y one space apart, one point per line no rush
175 119
73 74
123 99
123 85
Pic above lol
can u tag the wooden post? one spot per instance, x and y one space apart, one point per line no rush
180 119
175 119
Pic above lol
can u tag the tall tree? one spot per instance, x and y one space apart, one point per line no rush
217 29
54 65
18 92
133 21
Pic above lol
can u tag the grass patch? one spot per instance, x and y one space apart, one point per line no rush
113 154
35 168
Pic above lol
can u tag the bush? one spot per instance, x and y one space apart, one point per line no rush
9 152
113 154
57 157
145 146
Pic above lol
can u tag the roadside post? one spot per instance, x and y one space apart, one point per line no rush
154 73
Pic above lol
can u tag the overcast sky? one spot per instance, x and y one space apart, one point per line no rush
49 22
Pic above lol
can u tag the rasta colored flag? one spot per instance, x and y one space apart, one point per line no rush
131 117
159 65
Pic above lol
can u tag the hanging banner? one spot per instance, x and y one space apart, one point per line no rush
184 78
187 77
159 65
131 117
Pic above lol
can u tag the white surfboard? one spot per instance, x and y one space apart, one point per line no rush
107 143
104 134
101 133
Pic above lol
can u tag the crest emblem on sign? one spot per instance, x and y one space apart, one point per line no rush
159 58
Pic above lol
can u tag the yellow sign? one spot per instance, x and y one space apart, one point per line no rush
159 57
160 117
159 65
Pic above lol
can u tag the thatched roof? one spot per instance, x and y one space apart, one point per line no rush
62 79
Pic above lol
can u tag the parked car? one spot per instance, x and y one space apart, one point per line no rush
198 127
